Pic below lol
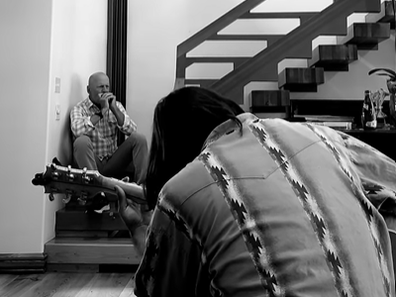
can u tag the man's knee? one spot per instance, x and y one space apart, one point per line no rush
82 143
83 153
137 139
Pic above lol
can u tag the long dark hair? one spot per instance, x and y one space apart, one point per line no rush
182 122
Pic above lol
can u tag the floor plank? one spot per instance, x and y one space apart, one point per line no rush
49 285
67 284
21 285
77 283
106 284
58 284
129 288
6 279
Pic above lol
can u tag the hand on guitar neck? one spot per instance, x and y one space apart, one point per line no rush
135 219
85 184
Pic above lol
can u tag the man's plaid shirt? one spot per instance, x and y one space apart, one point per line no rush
104 134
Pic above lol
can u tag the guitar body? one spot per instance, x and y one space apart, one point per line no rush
85 184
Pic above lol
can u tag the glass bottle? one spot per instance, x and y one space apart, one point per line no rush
369 120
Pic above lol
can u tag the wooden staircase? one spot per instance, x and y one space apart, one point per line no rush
90 241
297 44
361 36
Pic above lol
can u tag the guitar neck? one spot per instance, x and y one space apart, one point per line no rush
132 191
85 184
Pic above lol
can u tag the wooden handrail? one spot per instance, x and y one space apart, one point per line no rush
298 43
216 26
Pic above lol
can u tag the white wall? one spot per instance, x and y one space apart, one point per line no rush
25 28
78 49
41 40
155 29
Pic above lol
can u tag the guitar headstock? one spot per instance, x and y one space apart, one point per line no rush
82 183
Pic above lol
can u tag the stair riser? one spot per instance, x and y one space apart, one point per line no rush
84 251
91 221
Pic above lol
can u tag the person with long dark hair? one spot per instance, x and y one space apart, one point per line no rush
244 206
182 122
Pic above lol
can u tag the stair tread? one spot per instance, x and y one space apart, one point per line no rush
333 57
335 52
301 75
367 33
88 241
266 98
386 15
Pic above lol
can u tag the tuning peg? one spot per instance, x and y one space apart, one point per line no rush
51 197
69 174
67 198
81 201
84 176
55 174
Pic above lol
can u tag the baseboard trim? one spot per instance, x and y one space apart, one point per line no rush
23 263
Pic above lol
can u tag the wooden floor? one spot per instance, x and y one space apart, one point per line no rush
67 284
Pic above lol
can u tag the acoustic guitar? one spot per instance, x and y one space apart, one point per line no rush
84 184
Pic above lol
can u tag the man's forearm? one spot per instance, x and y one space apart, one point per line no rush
119 116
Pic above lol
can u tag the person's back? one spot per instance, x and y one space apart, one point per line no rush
279 210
